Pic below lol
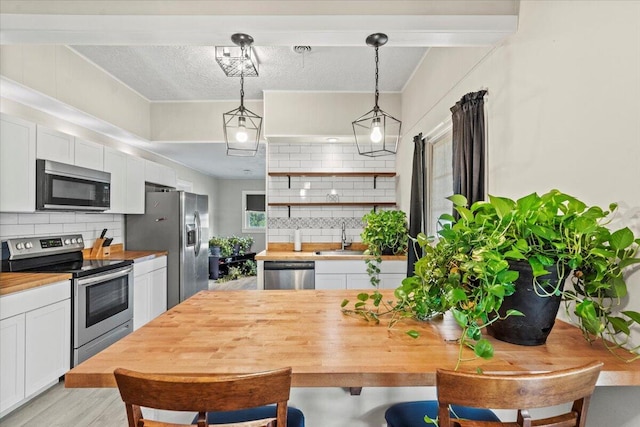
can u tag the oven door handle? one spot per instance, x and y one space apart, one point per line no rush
104 277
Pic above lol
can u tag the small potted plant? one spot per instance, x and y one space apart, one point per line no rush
215 245
245 245
385 233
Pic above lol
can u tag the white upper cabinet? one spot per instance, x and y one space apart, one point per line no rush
159 174
55 145
127 181
135 185
89 154
17 165
60 147
115 162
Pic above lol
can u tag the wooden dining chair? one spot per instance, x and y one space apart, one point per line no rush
238 394
462 393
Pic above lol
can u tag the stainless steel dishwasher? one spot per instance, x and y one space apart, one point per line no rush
289 274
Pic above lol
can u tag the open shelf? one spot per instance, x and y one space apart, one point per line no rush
374 175
289 204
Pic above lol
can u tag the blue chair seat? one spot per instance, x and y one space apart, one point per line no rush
295 417
411 414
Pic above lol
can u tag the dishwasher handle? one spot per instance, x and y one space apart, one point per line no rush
289 265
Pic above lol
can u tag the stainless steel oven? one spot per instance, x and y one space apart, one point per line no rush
101 290
60 186
102 311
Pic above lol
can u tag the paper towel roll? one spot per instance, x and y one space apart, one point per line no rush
297 241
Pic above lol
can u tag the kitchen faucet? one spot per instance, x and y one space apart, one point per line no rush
343 243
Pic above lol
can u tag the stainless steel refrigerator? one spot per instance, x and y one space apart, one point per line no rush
176 222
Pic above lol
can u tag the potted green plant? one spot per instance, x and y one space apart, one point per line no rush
245 244
385 233
215 245
480 260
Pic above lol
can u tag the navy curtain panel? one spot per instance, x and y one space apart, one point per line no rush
469 146
418 204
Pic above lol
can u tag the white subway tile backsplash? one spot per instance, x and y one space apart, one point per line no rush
47 229
33 218
62 217
323 223
8 218
78 227
16 230
56 223
290 148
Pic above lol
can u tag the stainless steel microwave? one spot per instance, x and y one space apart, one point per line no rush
64 187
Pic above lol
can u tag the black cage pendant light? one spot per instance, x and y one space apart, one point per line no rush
376 132
242 126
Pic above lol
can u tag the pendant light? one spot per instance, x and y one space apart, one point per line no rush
242 126
376 132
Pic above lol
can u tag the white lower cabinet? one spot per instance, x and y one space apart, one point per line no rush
352 274
11 362
35 342
149 290
47 328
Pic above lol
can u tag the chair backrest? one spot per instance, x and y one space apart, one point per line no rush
203 393
521 392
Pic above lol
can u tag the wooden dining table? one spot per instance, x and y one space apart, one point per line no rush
235 332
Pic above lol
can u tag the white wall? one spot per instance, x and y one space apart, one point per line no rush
227 211
61 73
562 113
193 121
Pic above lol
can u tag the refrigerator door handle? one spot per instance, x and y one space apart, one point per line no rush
198 232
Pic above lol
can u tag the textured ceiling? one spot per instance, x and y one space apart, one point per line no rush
185 73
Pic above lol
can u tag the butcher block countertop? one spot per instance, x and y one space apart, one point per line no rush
16 282
118 253
285 252
237 332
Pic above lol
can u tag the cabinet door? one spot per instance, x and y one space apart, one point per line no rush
48 345
89 154
17 165
158 293
54 145
141 290
159 174
135 185
11 361
359 281
331 281
391 281
115 162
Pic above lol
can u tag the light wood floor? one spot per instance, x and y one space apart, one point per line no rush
63 407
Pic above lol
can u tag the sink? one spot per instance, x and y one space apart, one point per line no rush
340 252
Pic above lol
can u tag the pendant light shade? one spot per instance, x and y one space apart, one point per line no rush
241 125
376 132
236 60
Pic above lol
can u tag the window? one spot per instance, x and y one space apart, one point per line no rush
253 208
439 161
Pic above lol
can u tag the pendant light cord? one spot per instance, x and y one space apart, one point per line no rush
242 55
375 107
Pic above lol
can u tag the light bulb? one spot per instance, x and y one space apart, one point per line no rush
376 132
241 134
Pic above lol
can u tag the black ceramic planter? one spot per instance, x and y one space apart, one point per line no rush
539 311
214 267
